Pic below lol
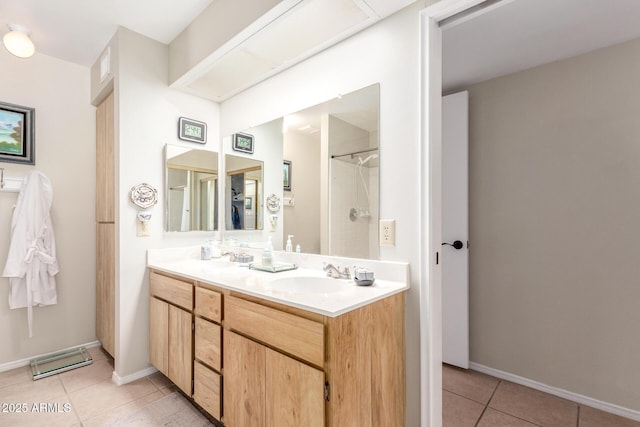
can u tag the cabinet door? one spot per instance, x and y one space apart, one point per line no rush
180 348
294 393
159 335
105 286
244 381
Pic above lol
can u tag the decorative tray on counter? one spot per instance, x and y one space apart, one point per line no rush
275 268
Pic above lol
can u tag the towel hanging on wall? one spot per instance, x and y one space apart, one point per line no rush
31 264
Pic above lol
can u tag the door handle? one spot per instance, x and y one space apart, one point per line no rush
457 244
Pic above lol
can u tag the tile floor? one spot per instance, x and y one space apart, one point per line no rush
473 399
80 397
86 397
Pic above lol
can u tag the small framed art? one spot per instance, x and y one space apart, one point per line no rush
286 175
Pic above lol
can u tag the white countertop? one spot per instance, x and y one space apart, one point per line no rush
341 295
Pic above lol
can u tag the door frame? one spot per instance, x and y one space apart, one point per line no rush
431 204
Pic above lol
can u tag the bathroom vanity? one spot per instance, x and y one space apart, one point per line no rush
296 348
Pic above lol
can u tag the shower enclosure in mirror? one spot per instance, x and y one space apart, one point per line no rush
332 206
191 189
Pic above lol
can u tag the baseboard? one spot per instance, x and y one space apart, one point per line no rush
24 362
118 380
579 398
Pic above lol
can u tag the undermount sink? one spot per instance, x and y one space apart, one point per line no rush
308 285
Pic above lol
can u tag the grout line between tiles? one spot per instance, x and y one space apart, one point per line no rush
578 420
487 404
522 419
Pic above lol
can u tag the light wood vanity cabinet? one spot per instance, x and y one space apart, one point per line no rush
264 387
260 363
288 367
170 332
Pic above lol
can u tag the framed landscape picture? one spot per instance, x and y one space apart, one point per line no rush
17 134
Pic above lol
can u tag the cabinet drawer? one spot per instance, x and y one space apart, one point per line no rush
206 389
209 304
292 334
173 290
208 343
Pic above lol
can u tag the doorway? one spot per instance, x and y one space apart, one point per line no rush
433 80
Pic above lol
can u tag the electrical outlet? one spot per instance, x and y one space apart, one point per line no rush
387 232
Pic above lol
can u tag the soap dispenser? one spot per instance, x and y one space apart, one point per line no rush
289 247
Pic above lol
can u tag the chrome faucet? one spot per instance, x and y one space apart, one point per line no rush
233 257
333 271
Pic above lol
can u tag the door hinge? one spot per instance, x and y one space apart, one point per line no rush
327 391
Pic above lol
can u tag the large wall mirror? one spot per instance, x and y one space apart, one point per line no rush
324 161
191 189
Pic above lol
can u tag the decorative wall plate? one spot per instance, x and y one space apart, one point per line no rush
273 203
144 195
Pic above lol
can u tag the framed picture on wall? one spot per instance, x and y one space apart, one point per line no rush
17 134
192 130
243 142
286 175
248 203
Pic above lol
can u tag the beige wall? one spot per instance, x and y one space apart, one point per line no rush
555 224
65 152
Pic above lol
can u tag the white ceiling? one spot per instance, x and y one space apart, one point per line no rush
522 34
515 36
78 30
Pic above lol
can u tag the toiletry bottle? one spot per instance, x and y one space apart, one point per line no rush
216 252
289 247
298 248
205 251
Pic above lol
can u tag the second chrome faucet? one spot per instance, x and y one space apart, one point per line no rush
333 271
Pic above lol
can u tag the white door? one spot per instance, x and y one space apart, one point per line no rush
455 230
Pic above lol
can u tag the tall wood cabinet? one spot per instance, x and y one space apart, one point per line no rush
105 225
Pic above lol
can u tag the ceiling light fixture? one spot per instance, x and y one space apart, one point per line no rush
18 42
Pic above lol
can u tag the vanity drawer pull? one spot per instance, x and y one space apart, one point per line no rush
300 337
209 304
171 290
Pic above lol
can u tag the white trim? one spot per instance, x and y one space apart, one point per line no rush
565 394
446 8
430 224
118 380
430 206
25 362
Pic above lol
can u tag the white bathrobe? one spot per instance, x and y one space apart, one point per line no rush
31 264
